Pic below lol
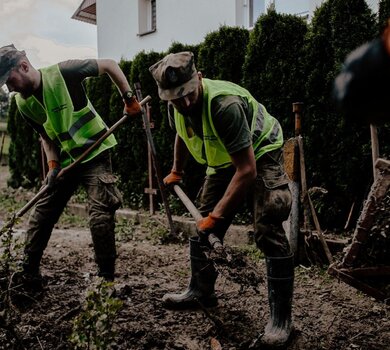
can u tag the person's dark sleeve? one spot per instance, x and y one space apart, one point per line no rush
78 70
74 73
230 120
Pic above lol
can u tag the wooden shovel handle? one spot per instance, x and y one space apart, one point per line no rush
63 171
214 241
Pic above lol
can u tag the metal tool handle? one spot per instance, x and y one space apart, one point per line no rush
156 163
63 171
214 241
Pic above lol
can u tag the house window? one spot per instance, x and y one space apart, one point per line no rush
147 16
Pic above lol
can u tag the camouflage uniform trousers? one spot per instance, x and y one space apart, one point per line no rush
103 200
271 203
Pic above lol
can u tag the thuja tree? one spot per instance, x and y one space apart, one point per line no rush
134 167
179 47
273 70
337 154
222 54
99 92
123 148
24 151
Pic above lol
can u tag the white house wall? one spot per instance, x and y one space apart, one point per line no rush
184 21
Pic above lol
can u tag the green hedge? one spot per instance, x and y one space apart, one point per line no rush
222 54
24 152
273 69
281 61
337 154
383 14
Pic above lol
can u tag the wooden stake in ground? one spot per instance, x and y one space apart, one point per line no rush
150 190
374 148
157 168
291 167
308 207
2 145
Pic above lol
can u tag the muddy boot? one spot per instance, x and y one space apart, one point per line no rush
23 282
29 279
26 287
201 286
280 272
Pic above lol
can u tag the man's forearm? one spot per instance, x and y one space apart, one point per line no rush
52 151
112 68
234 195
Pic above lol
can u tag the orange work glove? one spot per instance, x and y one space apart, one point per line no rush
132 107
54 169
209 223
174 177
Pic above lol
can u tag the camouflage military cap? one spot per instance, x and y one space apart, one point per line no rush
175 75
9 58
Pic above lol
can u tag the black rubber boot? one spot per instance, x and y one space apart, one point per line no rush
201 286
106 269
27 285
280 273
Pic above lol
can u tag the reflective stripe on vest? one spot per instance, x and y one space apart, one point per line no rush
266 131
73 131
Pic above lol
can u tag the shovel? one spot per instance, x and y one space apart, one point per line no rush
232 265
65 170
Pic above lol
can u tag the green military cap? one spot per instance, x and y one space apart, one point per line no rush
175 75
9 58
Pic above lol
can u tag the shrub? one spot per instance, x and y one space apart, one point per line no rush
273 69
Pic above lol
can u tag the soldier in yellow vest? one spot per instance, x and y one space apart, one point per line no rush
222 126
54 102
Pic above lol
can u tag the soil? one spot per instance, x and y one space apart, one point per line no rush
327 313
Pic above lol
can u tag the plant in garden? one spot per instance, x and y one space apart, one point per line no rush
252 252
93 327
10 254
157 232
124 230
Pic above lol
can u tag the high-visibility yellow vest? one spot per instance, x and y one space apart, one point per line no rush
210 150
73 131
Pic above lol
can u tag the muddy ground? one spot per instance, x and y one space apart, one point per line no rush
327 314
